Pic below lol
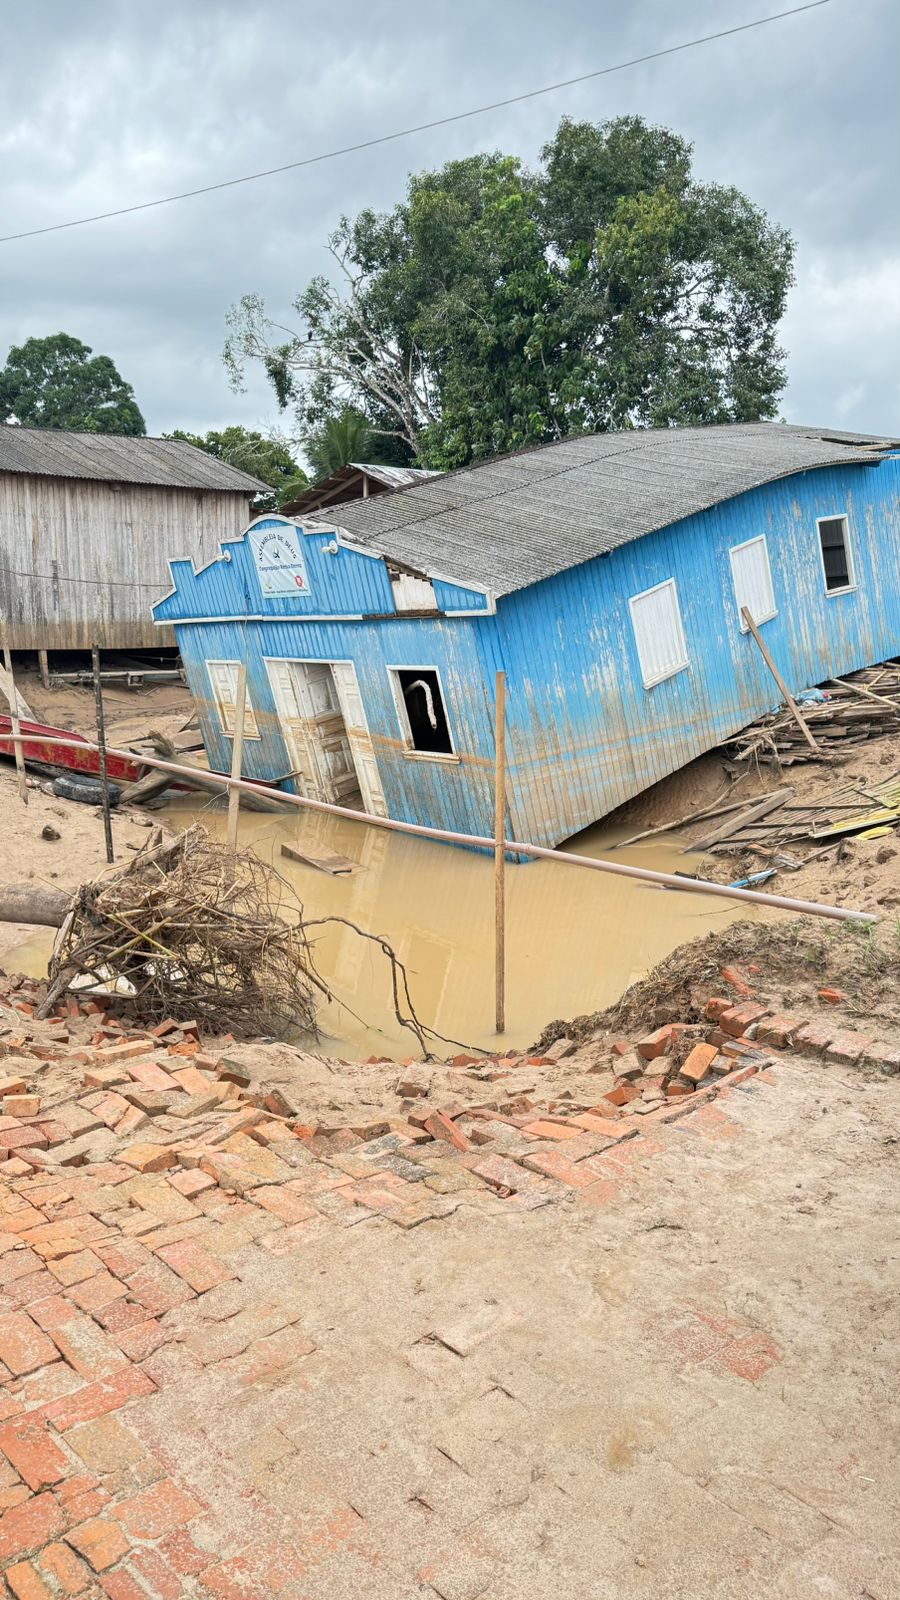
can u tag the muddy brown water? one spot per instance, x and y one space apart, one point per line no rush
575 938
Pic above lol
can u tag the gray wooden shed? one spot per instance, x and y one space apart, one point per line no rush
88 523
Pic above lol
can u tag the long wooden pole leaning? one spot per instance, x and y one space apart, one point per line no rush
789 700
517 847
16 726
500 853
237 755
101 746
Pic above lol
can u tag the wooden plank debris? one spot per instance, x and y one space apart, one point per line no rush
752 813
789 700
320 856
854 708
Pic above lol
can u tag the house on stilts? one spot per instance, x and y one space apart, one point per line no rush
605 574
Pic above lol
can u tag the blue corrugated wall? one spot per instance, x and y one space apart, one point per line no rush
584 733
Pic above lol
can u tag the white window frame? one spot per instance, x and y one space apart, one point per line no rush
684 660
758 538
847 588
409 748
251 727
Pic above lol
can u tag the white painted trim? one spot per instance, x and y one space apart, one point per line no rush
194 622
758 538
667 583
848 588
403 718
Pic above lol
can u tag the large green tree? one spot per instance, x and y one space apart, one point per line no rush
257 453
336 441
57 382
497 307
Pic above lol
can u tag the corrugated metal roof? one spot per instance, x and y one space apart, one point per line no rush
328 490
516 520
117 458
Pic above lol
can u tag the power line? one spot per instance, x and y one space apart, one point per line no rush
420 127
96 583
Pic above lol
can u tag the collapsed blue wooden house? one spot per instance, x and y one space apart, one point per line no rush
605 574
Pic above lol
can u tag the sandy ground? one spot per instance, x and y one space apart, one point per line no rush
79 854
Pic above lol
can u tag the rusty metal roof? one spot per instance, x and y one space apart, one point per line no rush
328 490
117 458
518 519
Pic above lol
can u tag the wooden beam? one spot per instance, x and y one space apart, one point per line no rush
788 698
11 694
101 746
500 853
320 856
13 701
758 808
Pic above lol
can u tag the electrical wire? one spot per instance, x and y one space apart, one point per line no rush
420 127
97 583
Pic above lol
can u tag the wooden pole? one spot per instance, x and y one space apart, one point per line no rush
789 700
237 755
500 853
518 847
16 726
101 746
44 665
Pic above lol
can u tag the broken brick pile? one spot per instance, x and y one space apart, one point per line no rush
136 1166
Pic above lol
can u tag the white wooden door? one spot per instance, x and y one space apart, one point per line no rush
356 724
295 730
327 731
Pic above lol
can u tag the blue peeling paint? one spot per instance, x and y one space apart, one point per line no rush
584 734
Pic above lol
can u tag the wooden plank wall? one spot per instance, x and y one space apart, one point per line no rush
82 562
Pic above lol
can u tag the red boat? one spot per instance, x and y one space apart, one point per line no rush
41 746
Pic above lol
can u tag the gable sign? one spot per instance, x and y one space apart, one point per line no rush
278 558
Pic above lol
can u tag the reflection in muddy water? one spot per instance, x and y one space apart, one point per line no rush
575 938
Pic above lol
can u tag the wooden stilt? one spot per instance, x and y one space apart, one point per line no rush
16 726
237 755
101 746
44 665
500 853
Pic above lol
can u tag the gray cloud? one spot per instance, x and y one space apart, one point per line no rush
111 102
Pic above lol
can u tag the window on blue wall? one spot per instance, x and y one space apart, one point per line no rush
752 579
658 634
420 707
837 560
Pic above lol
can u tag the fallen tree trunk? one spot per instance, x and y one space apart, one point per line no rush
23 902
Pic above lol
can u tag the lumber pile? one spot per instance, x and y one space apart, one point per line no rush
859 707
848 810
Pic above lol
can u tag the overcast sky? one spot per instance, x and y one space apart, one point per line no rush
109 102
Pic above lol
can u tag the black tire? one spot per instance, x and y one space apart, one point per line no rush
76 786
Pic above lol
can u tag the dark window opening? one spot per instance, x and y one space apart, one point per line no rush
425 711
835 555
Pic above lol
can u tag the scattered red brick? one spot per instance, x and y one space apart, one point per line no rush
833 997
736 980
716 1008
739 1018
440 1126
777 1030
698 1063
